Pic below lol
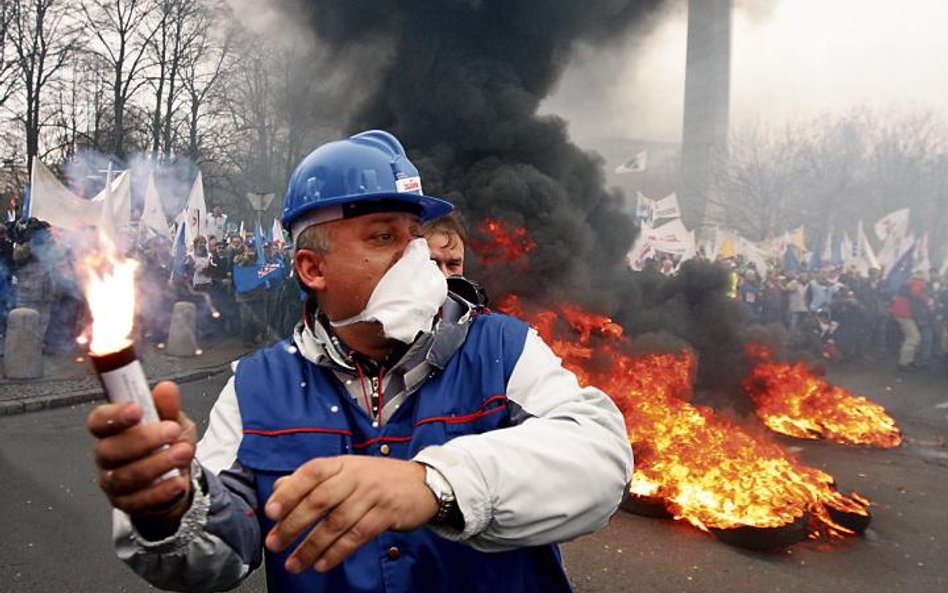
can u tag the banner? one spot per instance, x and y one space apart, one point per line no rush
51 201
667 207
672 238
894 224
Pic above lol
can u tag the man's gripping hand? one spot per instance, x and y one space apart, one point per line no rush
350 499
131 457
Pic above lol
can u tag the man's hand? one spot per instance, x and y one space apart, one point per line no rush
132 456
351 499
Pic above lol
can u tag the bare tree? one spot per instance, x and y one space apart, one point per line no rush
8 63
207 62
123 31
43 39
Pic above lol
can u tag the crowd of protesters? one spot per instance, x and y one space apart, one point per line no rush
245 290
838 313
39 270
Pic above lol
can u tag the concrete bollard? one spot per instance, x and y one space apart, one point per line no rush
182 334
23 350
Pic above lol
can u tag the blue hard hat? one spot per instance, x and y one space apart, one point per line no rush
366 173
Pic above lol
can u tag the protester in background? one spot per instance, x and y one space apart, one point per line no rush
901 311
850 314
874 296
299 459
446 238
749 294
822 289
6 282
797 310
923 313
222 287
33 259
217 224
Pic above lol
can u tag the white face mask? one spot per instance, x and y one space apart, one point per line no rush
407 297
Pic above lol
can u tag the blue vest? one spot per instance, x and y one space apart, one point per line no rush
293 411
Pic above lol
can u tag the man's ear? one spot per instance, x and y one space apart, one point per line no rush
310 266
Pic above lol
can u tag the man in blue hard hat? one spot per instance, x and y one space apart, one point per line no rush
388 445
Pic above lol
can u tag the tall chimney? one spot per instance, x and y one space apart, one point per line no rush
707 96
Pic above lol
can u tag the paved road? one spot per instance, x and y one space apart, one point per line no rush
56 533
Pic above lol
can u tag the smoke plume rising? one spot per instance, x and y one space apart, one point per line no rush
460 84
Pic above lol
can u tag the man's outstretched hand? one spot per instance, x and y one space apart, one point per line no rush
350 499
131 457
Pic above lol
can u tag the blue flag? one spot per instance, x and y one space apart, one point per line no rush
180 254
816 257
790 261
902 270
25 209
247 278
837 252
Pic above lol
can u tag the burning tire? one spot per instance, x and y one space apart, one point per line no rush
764 539
855 522
645 506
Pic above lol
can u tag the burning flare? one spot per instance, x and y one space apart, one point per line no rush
110 291
790 400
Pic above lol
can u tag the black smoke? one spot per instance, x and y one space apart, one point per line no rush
459 82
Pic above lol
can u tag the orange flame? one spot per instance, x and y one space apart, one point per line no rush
711 471
110 291
501 244
791 400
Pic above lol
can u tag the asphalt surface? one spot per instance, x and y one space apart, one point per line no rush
56 523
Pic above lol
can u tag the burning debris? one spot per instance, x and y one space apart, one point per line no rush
692 463
791 400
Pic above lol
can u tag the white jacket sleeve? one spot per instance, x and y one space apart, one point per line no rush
559 473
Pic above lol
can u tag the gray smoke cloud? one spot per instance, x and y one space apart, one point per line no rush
461 88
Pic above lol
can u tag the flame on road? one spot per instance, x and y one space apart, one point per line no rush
712 471
790 399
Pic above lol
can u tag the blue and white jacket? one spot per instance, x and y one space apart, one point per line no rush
532 457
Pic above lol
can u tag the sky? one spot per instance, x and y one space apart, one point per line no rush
791 59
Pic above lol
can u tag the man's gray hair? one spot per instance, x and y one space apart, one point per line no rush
315 238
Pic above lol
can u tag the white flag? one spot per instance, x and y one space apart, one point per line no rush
196 213
276 233
118 195
667 207
753 254
636 164
846 249
52 202
894 224
154 220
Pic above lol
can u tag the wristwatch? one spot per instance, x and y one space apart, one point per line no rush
449 513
